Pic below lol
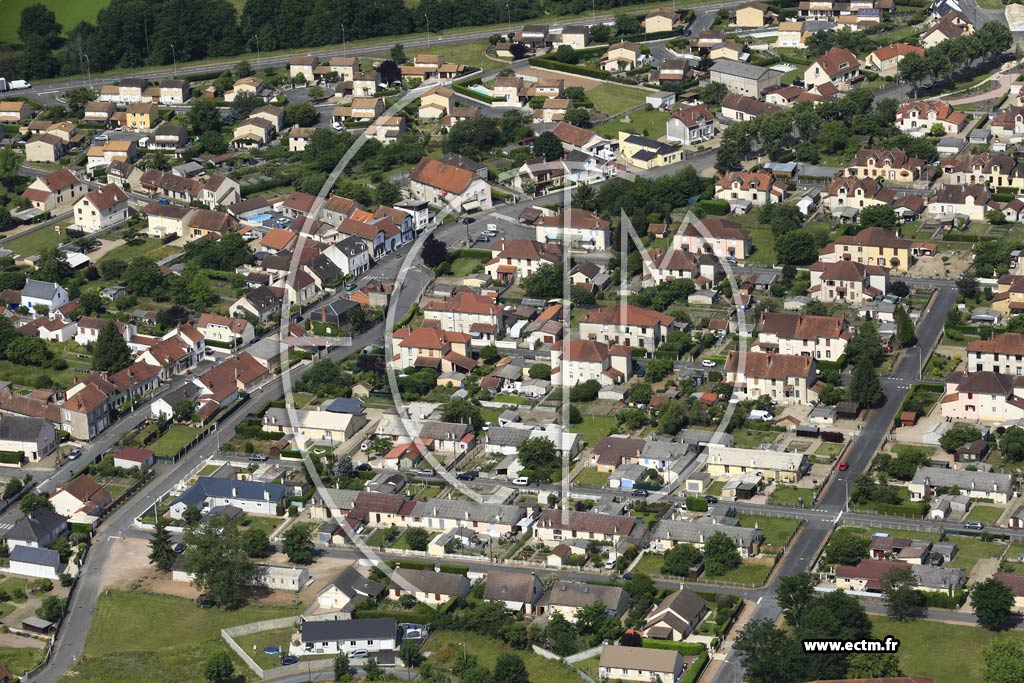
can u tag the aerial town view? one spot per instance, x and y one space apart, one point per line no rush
536 342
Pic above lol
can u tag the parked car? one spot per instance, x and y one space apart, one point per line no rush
288 660
711 499
257 457
428 472
639 493
363 467
843 466
708 363
359 653
73 455
521 481
466 476
974 526
179 548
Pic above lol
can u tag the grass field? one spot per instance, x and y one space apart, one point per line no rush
19 660
139 636
447 645
650 563
254 644
69 13
753 438
128 252
750 572
591 478
264 524
776 531
609 98
970 549
594 427
962 662
36 241
173 440
461 267
790 495
764 247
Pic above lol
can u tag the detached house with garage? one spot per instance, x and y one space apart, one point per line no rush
838 67
102 208
676 616
469 313
747 188
785 379
55 192
917 117
430 347
517 591
583 360
848 282
994 170
716 236
691 125
892 165
555 526
624 663
520 258
872 246
626 325
960 202
886 60
445 184
847 196
253 497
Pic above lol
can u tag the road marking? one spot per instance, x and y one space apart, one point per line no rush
760 599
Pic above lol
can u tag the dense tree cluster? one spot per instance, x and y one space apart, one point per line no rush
956 54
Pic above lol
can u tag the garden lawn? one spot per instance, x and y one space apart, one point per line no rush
829 450
20 660
592 479
971 549
611 98
137 636
26 375
764 247
790 495
173 440
753 438
264 524
776 531
647 123
253 645
379 538
448 645
716 488
962 661
36 241
985 513
594 427
749 573
128 252
461 267
402 543
650 563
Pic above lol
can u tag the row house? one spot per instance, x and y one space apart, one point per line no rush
669 533
892 165
445 438
848 282
1009 294
960 202
821 337
580 228
583 360
55 192
626 325
225 332
995 486
128 91
464 311
221 385
676 264
719 237
785 379
994 170
177 351
1003 353
110 152
847 196
872 246
984 396
555 526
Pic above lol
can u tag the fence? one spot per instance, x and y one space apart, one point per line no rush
229 634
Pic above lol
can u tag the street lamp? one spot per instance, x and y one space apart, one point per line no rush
257 37
509 8
174 58
428 30
344 46
88 68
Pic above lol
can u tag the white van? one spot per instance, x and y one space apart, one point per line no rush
762 415
521 481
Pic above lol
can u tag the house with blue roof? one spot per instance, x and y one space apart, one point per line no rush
253 497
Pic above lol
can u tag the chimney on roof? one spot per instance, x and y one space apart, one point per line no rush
234 492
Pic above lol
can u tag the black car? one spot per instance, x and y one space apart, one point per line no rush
711 499
289 660
363 467
466 476
179 548
639 493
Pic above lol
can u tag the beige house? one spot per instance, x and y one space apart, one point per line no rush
522 258
436 103
444 350
792 34
1003 353
856 194
224 331
45 148
313 425
303 66
994 170
101 208
164 220
871 246
582 229
892 165
468 313
577 37
753 15
952 25
345 67
111 151
555 526
779 466
298 138
793 334
921 116
55 192
13 111
746 79
983 397
622 56
427 586
253 132
622 663
848 282
838 66
785 379
886 60
661 20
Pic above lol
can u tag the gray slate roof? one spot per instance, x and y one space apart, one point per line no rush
354 629
41 556
37 526
212 487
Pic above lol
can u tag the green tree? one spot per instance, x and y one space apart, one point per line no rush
578 116
256 542
9 163
993 603
12 488
110 353
161 551
219 668
793 248
902 599
794 594
720 555
142 277
463 411
213 142
341 667
51 609
680 559
297 544
301 114
215 556
905 331
53 267
373 670
1004 661
410 652
545 283
866 346
641 393
434 251
191 516
509 668
767 654
543 371
865 388
183 409
958 435
1012 444
203 116
878 216
539 457
873 665
31 502
39 26
846 548
417 538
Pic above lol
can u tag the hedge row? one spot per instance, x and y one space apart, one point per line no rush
414 564
11 457
943 601
951 237
681 648
555 65
469 92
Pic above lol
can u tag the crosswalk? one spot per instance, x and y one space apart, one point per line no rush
4 526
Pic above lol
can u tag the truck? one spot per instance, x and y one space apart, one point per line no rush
6 85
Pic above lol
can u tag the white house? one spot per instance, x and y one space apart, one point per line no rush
41 563
37 293
332 637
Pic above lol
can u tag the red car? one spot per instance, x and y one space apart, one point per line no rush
843 466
